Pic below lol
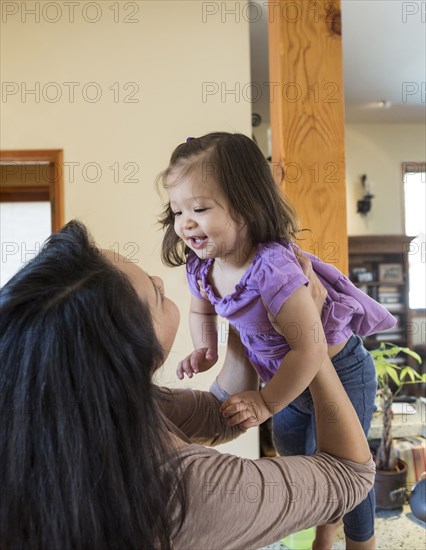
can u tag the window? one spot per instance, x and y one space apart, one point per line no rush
31 205
24 226
415 225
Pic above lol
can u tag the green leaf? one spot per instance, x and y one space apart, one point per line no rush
380 369
413 354
408 372
387 369
393 374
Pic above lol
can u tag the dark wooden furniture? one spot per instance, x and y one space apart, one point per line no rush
378 264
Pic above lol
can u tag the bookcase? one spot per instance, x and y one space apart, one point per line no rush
378 265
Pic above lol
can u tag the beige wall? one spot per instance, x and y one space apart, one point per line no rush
169 51
378 150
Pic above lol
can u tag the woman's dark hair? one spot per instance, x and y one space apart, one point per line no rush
82 449
236 163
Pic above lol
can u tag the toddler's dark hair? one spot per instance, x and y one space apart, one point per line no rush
237 164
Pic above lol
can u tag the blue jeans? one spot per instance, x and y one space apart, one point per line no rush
294 427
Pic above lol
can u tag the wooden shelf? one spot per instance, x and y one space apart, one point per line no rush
369 252
380 244
378 283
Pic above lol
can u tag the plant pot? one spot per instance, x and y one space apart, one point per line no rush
391 487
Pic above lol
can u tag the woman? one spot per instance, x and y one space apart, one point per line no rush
94 456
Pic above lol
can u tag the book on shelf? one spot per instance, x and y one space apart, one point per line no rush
388 289
394 308
389 336
394 299
389 295
390 300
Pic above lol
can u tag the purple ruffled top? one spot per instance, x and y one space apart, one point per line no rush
273 275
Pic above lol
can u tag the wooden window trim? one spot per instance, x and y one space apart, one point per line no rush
53 192
411 168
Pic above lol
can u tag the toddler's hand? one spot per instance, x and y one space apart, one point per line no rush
246 409
199 360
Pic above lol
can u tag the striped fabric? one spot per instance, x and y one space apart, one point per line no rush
412 450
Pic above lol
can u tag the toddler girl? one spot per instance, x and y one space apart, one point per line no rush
227 221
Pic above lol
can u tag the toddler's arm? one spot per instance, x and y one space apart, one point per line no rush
299 321
202 323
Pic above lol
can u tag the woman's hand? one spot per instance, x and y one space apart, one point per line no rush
316 288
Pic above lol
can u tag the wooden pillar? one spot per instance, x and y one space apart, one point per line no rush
307 120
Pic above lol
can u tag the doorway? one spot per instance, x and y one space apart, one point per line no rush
31 205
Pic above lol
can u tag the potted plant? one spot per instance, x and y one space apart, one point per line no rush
391 472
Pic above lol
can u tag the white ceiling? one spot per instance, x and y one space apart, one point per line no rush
384 45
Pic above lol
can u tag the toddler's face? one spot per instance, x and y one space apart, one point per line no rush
203 217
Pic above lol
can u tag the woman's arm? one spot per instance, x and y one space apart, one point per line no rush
252 503
339 431
197 413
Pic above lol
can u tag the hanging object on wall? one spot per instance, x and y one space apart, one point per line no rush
364 204
256 120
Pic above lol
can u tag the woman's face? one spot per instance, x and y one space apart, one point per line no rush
150 289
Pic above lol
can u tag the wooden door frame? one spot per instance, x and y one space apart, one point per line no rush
305 59
52 192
